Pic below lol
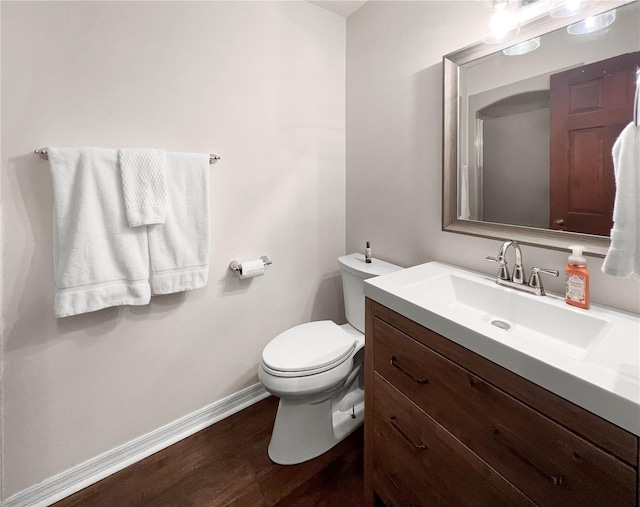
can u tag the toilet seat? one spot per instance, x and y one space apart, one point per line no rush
308 349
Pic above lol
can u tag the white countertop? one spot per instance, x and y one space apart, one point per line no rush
606 381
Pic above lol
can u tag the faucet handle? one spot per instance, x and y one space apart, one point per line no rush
503 272
534 279
552 272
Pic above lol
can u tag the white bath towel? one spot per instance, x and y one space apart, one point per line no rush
144 185
623 256
99 261
179 249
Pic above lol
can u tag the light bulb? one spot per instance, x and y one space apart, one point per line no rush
573 5
504 23
567 8
592 24
523 48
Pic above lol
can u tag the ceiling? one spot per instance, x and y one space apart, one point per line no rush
342 8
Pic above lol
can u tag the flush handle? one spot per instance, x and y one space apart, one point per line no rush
393 361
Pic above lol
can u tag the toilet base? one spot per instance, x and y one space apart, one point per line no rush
303 431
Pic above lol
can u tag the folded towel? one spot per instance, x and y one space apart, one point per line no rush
144 185
99 261
179 249
623 256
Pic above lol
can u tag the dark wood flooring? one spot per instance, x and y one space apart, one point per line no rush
227 464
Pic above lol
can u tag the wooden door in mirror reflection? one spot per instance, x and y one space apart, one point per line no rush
590 105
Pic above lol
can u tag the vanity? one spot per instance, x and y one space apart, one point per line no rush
478 394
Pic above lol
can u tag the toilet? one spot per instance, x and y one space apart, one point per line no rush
316 371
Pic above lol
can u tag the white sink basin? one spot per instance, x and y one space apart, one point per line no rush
518 316
589 357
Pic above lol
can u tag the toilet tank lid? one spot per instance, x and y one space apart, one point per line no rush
308 346
354 263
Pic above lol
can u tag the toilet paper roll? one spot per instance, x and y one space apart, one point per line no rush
250 269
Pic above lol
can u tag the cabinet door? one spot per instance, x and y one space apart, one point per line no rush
417 462
548 463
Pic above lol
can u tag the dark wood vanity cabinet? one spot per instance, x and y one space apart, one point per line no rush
445 426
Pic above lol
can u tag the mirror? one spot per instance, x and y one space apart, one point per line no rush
527 138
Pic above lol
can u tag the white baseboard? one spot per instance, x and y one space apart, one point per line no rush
74 479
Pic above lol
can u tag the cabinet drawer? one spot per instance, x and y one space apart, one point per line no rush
548 463
596 430
417 462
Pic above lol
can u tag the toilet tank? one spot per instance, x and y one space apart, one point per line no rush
354 272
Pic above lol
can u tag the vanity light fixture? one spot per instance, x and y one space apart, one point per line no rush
592 23
523 48
508 15
504 23
568 8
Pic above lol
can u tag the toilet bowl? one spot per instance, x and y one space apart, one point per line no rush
316 370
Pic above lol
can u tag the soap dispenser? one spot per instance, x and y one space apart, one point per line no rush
367 253
577 279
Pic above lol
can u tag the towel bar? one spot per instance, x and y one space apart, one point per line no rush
213 158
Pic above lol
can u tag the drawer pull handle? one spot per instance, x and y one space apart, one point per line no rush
553 479
394 362
404 435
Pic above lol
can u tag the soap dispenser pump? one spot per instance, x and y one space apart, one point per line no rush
577 279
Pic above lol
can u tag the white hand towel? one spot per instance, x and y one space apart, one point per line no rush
144 185
179 249
99 261
623 257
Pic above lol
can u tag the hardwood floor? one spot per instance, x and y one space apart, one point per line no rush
227 464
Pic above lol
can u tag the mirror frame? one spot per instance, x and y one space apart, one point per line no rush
546 238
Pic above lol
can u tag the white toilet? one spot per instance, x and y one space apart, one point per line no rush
316 371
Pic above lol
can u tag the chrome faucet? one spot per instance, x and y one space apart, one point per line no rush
516 281
503 272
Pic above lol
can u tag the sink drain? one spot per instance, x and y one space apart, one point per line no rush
501 324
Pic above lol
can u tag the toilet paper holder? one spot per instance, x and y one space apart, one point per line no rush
237 266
